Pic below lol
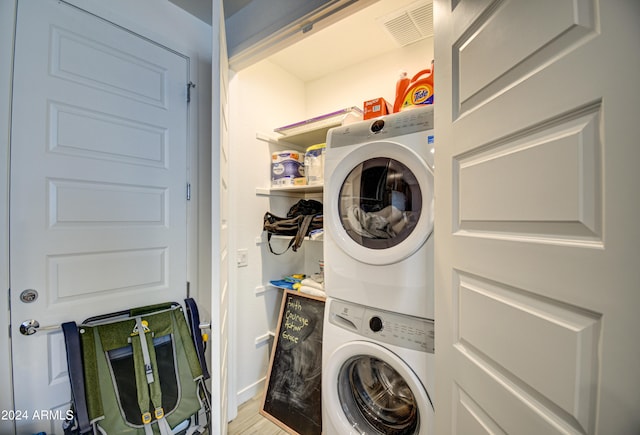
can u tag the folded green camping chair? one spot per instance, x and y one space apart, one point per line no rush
138 372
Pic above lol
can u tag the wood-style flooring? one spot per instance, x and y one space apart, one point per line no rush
250 422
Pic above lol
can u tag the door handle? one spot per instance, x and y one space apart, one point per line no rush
31 326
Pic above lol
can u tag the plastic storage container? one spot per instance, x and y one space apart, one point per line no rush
314 164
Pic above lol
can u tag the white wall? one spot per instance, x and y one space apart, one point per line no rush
158 20
264 97
367 80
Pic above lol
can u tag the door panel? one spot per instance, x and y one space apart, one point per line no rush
524 44
536 253
103 66
558 165
84 133
523 326
98 175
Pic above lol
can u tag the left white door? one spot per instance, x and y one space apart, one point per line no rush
221 387
97 199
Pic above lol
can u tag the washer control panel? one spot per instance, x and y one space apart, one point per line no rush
384 326
386 127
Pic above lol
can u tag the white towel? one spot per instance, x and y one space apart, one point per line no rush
308 282
384 224
312 291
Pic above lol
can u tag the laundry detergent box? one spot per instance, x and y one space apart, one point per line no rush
287 168
376 107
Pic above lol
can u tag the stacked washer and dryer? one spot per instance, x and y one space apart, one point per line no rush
378 337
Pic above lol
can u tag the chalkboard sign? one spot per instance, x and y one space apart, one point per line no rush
292 397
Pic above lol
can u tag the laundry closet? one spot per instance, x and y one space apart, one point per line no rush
535 182
306 80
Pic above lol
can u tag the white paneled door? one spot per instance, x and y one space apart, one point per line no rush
538 248
98 180
220 322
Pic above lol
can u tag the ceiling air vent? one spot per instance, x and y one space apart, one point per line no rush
410 24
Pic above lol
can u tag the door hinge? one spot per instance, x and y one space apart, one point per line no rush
9 305
188 289
188 191
189 86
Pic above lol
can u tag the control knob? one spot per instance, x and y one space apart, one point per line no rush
375 323
377 125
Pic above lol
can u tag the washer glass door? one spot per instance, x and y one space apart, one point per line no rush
380 203
376 399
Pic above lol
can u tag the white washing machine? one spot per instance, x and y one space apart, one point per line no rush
378 372
378 212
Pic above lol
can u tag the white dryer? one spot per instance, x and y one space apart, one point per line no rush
378 372
378 212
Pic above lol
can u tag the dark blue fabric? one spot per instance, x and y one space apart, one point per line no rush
194 323
76 375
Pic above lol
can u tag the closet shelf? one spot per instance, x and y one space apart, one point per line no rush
311 131
263 238
278 287
289 190
265 337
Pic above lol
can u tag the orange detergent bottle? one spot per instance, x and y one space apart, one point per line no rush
419 91
401 89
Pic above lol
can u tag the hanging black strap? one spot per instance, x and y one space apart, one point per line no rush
302 232
293 239
76 375
194 323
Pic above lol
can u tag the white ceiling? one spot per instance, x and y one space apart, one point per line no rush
355 39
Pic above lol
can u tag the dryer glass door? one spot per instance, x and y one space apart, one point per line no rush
376 399
380 203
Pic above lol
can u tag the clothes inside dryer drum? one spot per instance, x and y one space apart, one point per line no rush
380 203
376 399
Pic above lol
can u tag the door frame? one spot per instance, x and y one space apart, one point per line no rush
7 27
195 46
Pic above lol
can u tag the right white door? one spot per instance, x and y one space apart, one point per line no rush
537 208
